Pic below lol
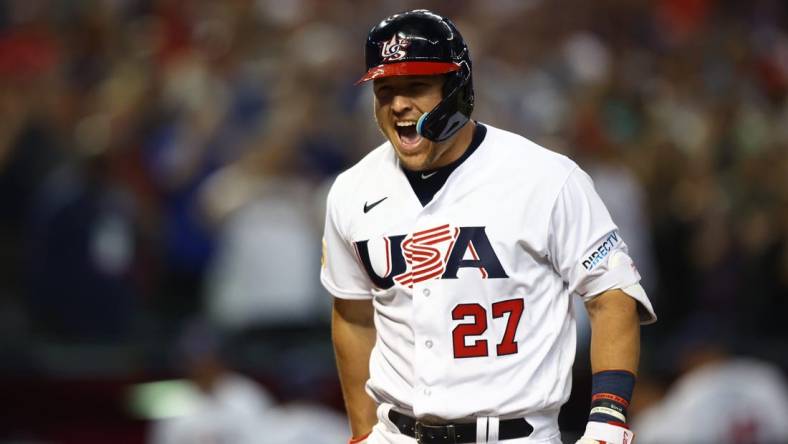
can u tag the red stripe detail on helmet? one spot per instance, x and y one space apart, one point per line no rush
408 68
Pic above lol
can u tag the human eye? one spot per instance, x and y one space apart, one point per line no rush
382 89
383 92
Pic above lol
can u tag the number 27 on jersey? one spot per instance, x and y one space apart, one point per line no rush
478 325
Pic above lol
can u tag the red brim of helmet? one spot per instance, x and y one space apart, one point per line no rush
408 69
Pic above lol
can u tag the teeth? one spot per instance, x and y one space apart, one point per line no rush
408 123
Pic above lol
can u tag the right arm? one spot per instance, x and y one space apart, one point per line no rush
353 334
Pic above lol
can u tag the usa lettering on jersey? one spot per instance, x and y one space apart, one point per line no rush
435 253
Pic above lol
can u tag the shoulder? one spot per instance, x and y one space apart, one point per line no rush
526 161
520 152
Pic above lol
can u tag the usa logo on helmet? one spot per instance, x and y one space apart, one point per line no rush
394 49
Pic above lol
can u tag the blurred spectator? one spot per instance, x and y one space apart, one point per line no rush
30 147
719 397
84 241
209 107
225 406
268 234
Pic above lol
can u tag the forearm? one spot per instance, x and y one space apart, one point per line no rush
615 351
353 334
615 332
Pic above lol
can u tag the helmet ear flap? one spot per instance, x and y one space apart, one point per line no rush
465 101
454 111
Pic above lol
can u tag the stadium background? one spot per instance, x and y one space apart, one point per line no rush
163 164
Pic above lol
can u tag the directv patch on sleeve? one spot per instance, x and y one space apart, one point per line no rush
601 251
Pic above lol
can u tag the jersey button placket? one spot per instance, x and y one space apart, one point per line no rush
428 368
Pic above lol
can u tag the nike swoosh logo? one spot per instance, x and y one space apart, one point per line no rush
368 207
427 176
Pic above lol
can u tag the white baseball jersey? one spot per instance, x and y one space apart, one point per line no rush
472 291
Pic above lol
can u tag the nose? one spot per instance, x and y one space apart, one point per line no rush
401 104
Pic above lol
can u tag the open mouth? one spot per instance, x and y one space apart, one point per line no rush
408 135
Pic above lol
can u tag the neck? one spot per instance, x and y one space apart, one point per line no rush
456 146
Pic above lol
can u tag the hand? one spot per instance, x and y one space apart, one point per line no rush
360 440
600 432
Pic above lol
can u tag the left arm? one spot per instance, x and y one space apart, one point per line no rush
589 253
615 352
615 332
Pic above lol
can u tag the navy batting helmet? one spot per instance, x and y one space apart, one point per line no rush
420 42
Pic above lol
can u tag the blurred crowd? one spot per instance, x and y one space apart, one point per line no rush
162 160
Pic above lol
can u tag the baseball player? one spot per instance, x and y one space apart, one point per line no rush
453 250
